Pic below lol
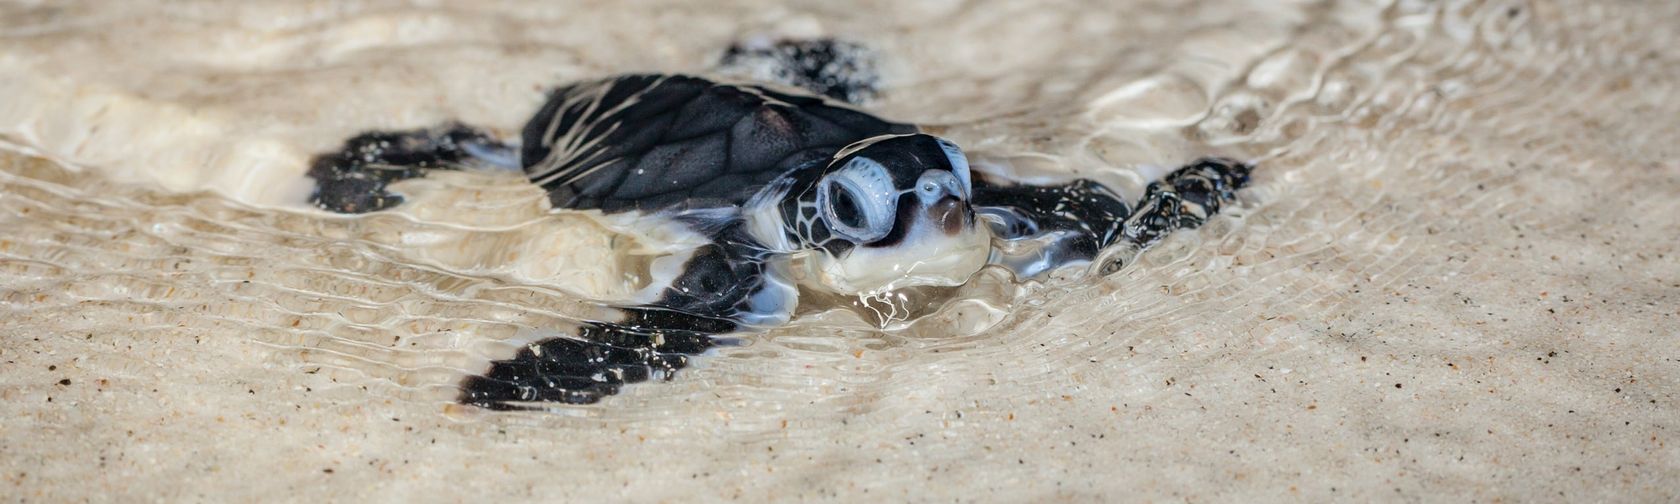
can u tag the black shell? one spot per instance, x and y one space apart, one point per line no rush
673 142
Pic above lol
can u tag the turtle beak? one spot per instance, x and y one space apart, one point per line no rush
950 215
944 197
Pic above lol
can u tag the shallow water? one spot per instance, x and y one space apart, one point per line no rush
1453 275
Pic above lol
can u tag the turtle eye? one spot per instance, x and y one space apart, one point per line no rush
844 206
858 201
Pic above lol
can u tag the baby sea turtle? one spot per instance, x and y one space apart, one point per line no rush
754 176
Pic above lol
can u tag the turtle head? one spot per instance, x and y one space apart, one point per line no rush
893 211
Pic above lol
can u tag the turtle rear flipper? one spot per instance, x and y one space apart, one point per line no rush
355 178
838 69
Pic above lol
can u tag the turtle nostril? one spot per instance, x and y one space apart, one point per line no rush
937 184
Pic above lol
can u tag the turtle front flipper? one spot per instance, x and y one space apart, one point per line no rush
354 179
729 285
1185 199
1037 229
600 360
1040 228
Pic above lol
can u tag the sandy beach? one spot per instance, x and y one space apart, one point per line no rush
1454 277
